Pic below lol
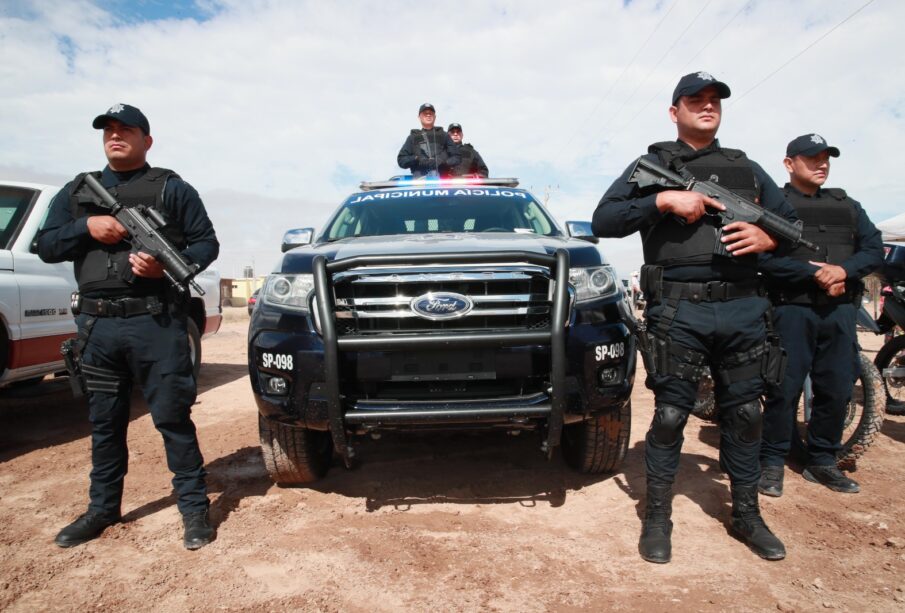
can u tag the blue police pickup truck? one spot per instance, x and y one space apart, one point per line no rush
440 304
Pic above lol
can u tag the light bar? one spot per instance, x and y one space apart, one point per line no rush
407 181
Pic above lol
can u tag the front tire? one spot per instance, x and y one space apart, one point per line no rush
863 418
599 444
294 455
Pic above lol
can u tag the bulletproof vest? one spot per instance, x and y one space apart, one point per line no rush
430 143
672 243
466 166
105 270
829 221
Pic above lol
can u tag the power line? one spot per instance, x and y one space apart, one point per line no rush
651 71
802 52
624 70
685 66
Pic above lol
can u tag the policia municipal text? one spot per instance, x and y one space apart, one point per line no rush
132 324
704 309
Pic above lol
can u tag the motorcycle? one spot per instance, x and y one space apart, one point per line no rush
890 359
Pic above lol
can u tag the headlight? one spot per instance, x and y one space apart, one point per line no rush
592 283
288 291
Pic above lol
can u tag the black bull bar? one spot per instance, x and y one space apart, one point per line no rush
558 264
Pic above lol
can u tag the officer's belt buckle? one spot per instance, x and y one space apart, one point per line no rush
718 291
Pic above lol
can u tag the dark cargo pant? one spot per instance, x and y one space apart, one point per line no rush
152 351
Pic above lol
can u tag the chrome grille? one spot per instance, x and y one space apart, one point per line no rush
504 297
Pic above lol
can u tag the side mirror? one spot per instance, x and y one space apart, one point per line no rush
296 238
581 230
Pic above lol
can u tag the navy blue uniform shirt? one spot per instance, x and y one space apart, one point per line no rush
65 238
625 209
867 257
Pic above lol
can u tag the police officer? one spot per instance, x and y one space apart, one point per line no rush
816 298
132 324
703 310
429 150
472 164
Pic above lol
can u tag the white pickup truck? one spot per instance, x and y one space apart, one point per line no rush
35 296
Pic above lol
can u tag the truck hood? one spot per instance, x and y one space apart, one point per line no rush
581 253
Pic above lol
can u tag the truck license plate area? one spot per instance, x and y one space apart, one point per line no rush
456 365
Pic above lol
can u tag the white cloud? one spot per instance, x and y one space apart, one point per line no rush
287 101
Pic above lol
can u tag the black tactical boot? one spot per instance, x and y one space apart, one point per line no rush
198 531
770 483
831 477
749 525
655 545
87 527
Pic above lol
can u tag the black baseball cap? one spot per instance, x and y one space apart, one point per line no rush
694 82
124 113
810 144
427 106
454 126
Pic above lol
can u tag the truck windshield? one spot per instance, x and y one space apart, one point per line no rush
432 211
14 203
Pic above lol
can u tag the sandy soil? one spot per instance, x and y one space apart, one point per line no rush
455 523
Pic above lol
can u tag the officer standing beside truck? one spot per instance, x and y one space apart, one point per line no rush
703 309
428 150
816 298
131 322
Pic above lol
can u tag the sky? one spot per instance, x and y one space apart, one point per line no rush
276 110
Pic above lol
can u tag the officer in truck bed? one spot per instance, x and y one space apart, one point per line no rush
704 310
132 324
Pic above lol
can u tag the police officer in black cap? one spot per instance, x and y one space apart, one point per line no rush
429 150
472 164
132 324
816 298
704 310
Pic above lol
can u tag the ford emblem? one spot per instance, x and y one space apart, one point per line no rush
441 305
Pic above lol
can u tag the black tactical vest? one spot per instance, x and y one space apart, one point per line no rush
105 269
430 144
672 243
466 166
829 221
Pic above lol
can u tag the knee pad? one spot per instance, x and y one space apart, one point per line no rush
744 422
669 421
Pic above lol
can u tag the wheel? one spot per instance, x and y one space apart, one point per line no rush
863 419
892 356
194 346
598 445
294 455
705 403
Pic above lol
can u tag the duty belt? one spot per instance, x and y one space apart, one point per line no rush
816 297
121 307
710 291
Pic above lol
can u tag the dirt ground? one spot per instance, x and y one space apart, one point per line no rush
455 523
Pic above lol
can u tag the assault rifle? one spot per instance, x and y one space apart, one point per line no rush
648 174
144 224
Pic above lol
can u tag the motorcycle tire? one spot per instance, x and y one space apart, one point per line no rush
863 419
893 354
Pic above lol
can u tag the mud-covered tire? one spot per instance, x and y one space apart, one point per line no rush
598 445
705 403
293 455
892 353
863 419
194 346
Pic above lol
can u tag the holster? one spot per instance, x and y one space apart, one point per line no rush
72 357
773 367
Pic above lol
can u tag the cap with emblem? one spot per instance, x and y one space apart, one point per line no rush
694 82
810 144
427 106
123 113
454 126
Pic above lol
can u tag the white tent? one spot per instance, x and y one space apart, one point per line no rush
893 229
